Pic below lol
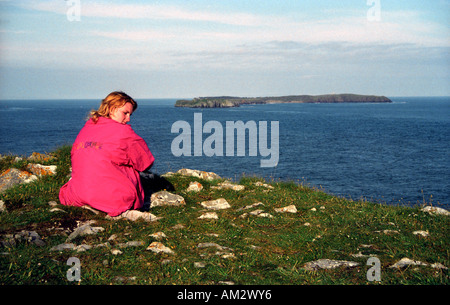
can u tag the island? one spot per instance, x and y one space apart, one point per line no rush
230 101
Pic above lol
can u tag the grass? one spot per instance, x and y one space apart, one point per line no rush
265 251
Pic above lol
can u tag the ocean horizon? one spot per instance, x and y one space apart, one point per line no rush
393 153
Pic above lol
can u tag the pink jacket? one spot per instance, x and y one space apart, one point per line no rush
106 160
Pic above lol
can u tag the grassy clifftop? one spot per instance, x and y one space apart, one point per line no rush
253 241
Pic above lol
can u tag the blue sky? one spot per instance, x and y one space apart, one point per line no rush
185 49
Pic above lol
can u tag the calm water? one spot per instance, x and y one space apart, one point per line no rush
393 153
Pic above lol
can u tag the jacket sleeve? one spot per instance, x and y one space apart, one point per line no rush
138 154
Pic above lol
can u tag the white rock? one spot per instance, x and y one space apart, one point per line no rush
164 198
86 229
158 247
251 206
405 262
218 204
63 246
263 184
199 174
228 185
421 233
435 210
158 235
194 186
329 264
288 209
209 215
116 252
2 206
135 215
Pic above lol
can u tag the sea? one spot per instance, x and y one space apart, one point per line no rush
390 153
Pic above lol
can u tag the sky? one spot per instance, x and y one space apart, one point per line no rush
75 49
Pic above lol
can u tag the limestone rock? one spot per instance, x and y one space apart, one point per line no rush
86 229
329 264
194 187
405 262
63 246
164 198
158 235
41 170
421 233
259 183
228 185
210 215
288 209
158 247
435 210
2 206
134 215
217 204
13 176
199 174
35 156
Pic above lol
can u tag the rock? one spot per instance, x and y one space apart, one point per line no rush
194 187
116 252
164 198
329 264
158 235
133 243
388 232
41 170
210 215
28 236
158 247
288 209
35 156
217 204
199 174
86 229
134 215
421 233
405 262
32 237
199 264
435 210
251 206
2 207
263 184
14 176
217 246
260 213
228 185
64 246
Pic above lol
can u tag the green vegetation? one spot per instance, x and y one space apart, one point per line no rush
229 101
264 251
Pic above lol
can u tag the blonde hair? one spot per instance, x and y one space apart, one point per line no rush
114 100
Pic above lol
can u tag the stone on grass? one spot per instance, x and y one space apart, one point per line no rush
86 229
405 262
329 264
164 198
209 215
435 211
158 247
194 186
14 176
198 174
288 209
229 186
218 204
42 170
